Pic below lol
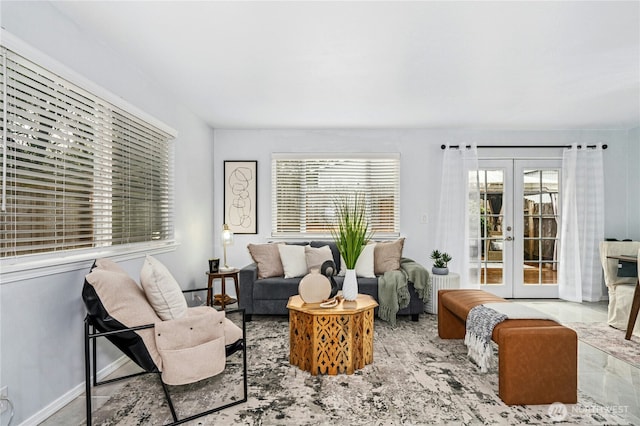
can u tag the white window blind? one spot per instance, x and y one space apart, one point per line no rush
77 171
305 188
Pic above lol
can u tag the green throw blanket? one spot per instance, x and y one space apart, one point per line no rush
393 290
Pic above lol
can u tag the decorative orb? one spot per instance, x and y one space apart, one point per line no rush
314 287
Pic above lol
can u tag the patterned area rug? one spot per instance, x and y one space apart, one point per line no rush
609 340
416 379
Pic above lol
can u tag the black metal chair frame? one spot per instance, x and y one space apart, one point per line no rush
90 361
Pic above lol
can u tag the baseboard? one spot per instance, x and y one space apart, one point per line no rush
75 392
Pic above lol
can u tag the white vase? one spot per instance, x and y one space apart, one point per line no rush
350 285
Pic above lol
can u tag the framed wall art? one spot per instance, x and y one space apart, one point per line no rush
241 196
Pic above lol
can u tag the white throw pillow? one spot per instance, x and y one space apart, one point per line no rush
365 263
293 260
162 290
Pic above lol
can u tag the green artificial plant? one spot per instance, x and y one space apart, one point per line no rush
440 259
351 232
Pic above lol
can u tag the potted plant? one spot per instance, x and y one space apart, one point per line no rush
440 261
351 233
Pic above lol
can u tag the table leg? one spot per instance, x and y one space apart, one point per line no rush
224 292
235 280
633 315
209 291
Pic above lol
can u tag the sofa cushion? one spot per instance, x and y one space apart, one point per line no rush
267 257
279 288
276 288
334 250
162 290
317 256
387 255
294 262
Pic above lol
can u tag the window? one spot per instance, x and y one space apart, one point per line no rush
305 187
77 171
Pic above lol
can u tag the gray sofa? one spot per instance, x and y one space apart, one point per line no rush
269 296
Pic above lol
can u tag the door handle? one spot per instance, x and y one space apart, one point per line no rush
509 238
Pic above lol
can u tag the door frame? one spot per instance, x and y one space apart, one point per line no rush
513 216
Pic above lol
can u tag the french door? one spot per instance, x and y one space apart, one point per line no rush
520 227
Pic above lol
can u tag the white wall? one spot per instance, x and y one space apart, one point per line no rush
420 171
41 320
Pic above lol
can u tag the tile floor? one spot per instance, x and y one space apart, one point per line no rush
613 383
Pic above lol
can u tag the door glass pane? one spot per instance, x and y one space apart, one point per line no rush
491 221
541 219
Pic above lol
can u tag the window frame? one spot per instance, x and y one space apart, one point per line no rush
393 217
27 266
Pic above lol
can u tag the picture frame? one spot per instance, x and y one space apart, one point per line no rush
241 196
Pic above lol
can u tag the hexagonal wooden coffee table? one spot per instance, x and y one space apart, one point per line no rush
331 340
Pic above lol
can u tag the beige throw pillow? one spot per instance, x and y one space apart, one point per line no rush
267 257
387 255
317 256
293 259
108 265
162 290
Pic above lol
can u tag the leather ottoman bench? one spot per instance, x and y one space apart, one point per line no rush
537 358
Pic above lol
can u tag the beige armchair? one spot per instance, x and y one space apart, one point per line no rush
620 289
154 327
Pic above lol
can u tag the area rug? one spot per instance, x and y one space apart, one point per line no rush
610 340
416 379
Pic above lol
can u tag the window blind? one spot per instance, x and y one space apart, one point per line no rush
306 186
77 171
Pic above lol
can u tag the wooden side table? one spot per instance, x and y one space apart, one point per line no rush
333 340
222 299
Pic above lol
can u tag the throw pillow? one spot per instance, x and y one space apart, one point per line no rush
267 257
364 264
317 256
162 290
293 259
387 255
108 265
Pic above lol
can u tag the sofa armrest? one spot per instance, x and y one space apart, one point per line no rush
248 277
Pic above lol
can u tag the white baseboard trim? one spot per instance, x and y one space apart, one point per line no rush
75 392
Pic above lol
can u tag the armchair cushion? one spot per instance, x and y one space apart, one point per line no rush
108 265
162 290
108 296
192 347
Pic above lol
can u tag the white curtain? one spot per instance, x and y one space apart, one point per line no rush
580 271
458 231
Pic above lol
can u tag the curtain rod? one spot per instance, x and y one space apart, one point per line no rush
604 146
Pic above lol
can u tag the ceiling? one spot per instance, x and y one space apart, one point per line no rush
449 64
